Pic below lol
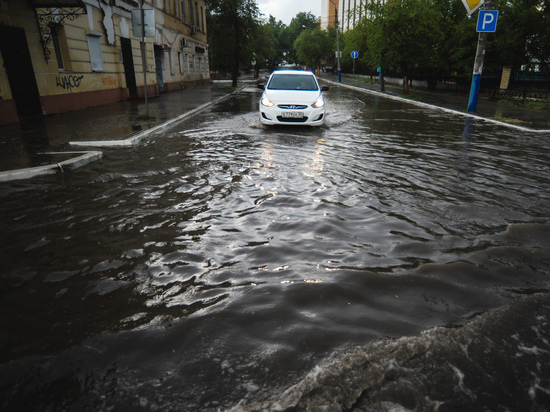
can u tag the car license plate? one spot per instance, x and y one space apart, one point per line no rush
293 115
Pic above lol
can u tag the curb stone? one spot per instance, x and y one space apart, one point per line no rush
93 155
70 164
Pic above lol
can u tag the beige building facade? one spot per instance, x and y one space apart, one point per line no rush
63 55
349 12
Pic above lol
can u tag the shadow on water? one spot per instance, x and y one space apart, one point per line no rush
23 143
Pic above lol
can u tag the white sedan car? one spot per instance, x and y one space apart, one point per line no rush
292 97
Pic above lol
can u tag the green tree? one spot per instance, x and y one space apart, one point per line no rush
458 41
276 30
405 36
302 22
438 37
373 27
312 46
355 40
232 25
330 59
264 47
522 36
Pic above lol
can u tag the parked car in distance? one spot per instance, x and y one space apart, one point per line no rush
292 97
328 69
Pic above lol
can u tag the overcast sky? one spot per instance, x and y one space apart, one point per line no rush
285 10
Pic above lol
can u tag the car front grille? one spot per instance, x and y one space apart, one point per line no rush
292 106
292 120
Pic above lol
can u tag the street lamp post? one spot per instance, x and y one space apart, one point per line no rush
337 42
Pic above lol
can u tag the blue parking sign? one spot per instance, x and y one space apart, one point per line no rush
487 21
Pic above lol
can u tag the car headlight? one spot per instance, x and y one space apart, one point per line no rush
266 102
319 103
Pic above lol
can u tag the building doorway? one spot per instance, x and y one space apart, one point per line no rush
128 63
18 64
159 58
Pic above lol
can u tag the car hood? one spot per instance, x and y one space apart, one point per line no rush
292 96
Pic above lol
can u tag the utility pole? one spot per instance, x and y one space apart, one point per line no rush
337 41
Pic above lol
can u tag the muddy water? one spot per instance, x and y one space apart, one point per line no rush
396 258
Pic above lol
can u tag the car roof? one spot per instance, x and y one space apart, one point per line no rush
290 71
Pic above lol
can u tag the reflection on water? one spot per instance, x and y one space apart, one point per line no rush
225 261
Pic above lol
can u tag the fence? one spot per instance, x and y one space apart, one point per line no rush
521 95
524 85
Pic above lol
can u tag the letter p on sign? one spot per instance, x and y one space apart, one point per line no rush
487 21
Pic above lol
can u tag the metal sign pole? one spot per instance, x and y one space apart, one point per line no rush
354 56
478 65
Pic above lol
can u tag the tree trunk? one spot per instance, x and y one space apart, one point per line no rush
405 83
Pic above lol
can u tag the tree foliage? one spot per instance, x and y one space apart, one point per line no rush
312 46
436 37
523 34
237 36
298 25
428 38
404 36
232 26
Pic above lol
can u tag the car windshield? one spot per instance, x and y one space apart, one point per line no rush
292 82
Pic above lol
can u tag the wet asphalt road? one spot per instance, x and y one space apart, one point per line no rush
220 262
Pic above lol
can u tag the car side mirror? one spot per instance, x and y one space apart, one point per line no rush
324 88
261 86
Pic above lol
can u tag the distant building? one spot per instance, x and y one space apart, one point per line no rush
350 12
63 55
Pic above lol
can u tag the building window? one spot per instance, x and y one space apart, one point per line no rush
197 22
171 61
183 11
59 41
202 19
180 61
57 47
191 19
96 57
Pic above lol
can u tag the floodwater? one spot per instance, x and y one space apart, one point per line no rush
396 259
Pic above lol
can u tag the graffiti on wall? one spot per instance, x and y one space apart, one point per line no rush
109 80
68 82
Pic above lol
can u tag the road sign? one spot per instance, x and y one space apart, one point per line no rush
472 5
487 21
137 27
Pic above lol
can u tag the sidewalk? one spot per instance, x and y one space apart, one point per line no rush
49 144
31 142
508 112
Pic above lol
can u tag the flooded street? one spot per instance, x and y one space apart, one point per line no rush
225 264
